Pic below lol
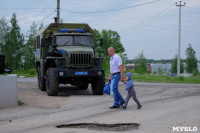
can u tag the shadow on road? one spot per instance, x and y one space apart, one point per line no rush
68 90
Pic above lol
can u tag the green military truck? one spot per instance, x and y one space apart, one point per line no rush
65 54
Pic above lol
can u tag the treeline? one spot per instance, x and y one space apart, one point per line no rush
191 62
111 39
162 61
19 48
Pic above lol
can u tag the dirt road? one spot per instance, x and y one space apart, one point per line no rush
164 106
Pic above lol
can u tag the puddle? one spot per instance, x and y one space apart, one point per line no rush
103 127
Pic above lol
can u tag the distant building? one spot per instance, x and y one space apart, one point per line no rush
129 67
161 68
157 68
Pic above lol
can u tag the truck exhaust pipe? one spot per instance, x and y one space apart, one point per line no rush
56 24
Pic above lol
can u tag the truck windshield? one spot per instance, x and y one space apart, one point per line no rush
64 40
74 40
83 40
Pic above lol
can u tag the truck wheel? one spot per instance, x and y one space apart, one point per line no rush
52 84
41 81
98 85
83 87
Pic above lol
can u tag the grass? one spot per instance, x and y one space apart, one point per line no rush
26 73
195 79
20 103
166 79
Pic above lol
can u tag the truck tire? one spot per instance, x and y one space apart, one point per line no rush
52 85
98 85
83 87
41 81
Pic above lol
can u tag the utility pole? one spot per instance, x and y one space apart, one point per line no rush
58 11
179 40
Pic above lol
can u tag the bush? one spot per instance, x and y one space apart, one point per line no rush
195 73
26 73
181 78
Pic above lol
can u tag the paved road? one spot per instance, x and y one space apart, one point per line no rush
164 106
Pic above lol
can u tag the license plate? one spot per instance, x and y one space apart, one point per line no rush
81 73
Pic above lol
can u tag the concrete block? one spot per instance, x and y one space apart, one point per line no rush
8 91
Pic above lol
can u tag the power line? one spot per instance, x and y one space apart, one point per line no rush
84 12
152 19
45 8
149 21
37 4
114 9
30 8
47 16
23 9
42 11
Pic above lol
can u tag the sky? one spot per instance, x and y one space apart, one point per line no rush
151 26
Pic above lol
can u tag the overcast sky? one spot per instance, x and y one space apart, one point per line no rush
150 26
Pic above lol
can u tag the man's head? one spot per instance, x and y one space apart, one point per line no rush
111 51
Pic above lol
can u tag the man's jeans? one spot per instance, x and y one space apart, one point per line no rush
114 87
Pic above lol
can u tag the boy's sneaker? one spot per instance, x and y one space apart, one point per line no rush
139 107
123 107
121 104
114 107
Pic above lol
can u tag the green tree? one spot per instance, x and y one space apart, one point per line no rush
4 28
174 65
140 63
191 60
111 39
14 41
28 51
41 26
163 61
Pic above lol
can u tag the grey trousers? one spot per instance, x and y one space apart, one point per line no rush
133 95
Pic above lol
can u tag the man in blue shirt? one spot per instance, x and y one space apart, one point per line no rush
116 75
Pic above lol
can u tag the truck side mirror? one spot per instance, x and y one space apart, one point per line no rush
101 42
43 42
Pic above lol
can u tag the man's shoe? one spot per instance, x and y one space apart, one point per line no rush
123 107
121 104
139 107
114 107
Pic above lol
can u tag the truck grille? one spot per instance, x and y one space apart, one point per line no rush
80 59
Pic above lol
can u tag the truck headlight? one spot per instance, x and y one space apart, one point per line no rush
61 74
99 73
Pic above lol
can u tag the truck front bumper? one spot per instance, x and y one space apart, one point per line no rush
73 73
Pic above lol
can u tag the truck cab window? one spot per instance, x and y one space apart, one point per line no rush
83 40
64 40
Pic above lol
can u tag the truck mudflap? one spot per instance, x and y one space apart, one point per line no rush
61 72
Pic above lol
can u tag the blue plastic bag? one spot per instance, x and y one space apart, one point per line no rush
106 89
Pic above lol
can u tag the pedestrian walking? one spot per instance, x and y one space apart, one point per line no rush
116 75
131 91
